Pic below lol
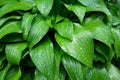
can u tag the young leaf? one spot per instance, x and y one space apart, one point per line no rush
44 6
37 31
43 58
73 68
81 47
26 23
14 52
12 27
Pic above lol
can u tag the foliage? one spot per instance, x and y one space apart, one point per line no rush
59 39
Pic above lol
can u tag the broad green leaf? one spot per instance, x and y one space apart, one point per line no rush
26 23
12 27
73 67
96 5
4 19
97 74
78 9
14 73
39 76
99 30
114 73
116 36
4 71
14 52
43 58
44 6
81 47
65 29
14 6
37 31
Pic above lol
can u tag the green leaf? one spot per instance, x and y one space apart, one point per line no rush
114 73
97 74
65 29
26 75
81 47
44 6
14 73
4 19
26 23
103 49
58 54
14 6
73 68
43 58
37 31
99 30
2 46
2 61
13 37
4 71
6 2
116 36
14 52
96 5
78 9
12 27
59 18
39 76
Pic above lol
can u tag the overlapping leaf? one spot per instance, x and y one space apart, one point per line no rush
78 9
12 27
116 36
10 7
14 52
65 29
97 74
81 47
37 31
96 5
114 73
43 58
73 68
26 23
14 73
99 30
44 6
